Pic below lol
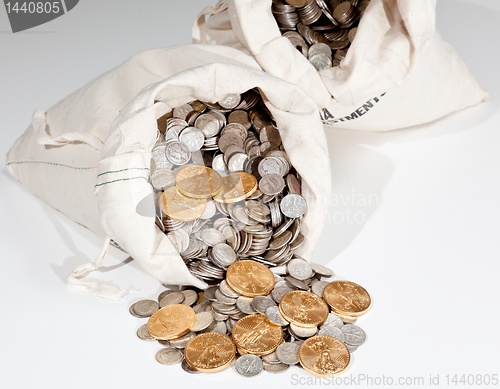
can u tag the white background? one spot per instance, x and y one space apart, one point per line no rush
425 244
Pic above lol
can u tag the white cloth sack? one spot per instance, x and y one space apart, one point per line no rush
89 155
398 72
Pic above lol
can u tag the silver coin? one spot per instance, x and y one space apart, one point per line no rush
169 356
279 270
220 327
299 269
188 368
274 316
275 368
163 294
280 241
224 253
249 365
183 340
317 287
211 236
270 134
353 334
145 308
175 129
295 283
163 179
201 307
208 123
257 208
231 101
237 162
271 358
210 210
320 61
221 297
182 111
224 308
293 206
209 293
333 332
333 320
165 343
219 165
293 184
271 165
279 291
271 184
288 353
240 117
143 333
303 332
177 153
172 298
227 290
193 138
261 303
321 270
244 304
190 296
351 347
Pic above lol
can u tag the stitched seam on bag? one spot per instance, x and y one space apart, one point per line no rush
123 170
121 179
51 163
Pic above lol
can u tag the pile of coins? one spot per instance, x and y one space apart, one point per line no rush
230 201
259 318
321 30
225 187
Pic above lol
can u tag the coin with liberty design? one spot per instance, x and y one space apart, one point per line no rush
255 334
324 356
303 308
171 322
250 278
210 352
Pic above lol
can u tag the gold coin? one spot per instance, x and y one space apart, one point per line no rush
201 298
210 352
198 182
250 278
171 322
303 309
324 355
255 334
346 318
179 207
236 187
347 298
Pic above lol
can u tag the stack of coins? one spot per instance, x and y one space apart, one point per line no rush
259 318
332 23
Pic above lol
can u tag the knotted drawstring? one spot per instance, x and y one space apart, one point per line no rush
43 138
105 291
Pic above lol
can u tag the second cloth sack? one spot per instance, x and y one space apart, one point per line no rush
398 71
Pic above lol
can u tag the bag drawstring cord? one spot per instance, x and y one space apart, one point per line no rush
108 292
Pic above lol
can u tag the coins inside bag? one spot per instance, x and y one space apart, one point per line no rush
321 30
